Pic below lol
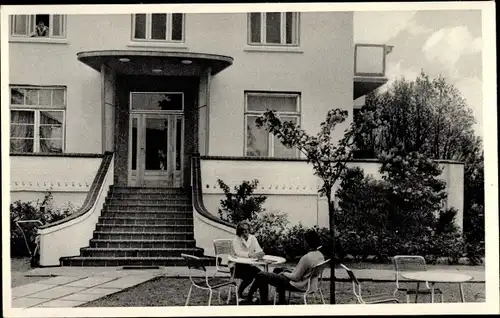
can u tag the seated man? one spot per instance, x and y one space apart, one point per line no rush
291 280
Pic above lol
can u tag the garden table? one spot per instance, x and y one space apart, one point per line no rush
265 261
435 276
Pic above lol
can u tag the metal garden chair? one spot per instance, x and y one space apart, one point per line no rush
407 263
194 263
370 299
223 248
317 273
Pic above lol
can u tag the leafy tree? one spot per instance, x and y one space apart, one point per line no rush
328 157
242 205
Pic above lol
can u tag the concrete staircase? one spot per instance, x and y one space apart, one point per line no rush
141 227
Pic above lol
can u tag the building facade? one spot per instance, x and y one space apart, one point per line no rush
171 100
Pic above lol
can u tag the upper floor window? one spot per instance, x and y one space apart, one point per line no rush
38 26
274 28
166 27
259 142
37 119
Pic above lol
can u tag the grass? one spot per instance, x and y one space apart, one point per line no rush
18 267
162 291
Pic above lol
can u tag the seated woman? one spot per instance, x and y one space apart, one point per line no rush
245 245
295 279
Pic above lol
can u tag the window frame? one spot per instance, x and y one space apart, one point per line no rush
263 26
168 29
271 138
31 24
37 109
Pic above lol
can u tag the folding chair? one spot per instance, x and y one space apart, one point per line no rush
316 274
412 263
370 299
209 283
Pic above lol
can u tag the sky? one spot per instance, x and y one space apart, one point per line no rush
447 43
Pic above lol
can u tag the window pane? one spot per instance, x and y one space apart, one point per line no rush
177 26
22 117
279 149
158 26
57 26
290 28
21 145
58 97
255 28
17 96
50 145
140 26
20 25
31 97
273 27
45 97
22 131
277 103
51 131
156 101
156 144
257 139
51 118
134 143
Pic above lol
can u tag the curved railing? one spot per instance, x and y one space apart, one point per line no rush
207 227
65 237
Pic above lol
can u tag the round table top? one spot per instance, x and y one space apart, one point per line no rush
265 260
436 276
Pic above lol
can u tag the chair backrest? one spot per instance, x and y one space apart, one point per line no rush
408 263
194 262
356 285
223 248
317 273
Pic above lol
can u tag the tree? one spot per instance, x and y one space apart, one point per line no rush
328 158
242 205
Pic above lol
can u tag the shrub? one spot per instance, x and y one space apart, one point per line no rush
44 210
242 205
269 229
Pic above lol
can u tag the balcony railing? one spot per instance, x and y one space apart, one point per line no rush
370 59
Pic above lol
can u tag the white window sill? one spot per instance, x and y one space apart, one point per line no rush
278 49
167 45
37 40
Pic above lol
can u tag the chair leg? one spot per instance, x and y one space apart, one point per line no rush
210 297
274 301
322 297
305 298
189 295
236 293
407 298
229 295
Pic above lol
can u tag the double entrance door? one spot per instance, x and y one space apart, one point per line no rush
156 150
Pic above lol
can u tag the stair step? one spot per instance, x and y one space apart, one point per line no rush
147 201
128 235
143 228
138 190
130 261
156 215
99 243
147 207
150 196
139 252
105 220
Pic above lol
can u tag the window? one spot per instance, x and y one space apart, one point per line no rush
38 26
166 27
273 28
37 118
259 142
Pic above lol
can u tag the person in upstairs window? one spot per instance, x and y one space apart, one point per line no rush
245 245
291 279
40 30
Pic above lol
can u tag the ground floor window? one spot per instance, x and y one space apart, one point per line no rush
260 143
37 119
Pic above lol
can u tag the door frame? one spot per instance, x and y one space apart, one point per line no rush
142 115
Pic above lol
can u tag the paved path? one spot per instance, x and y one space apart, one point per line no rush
74 286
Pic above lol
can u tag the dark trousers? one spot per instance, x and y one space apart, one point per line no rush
247 274
264 279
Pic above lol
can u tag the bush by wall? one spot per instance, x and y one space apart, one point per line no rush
242 204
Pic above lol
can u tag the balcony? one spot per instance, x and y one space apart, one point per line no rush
369 67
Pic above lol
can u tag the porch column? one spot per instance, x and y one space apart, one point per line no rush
108 91
204 111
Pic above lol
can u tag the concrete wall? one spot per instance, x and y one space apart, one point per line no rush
292 188
322 73
68 178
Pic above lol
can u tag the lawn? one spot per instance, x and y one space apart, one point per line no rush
19 266
162 291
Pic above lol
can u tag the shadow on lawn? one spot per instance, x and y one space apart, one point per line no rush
162 291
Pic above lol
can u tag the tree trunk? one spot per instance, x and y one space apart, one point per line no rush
331 211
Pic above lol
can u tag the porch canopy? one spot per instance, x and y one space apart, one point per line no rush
132 62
